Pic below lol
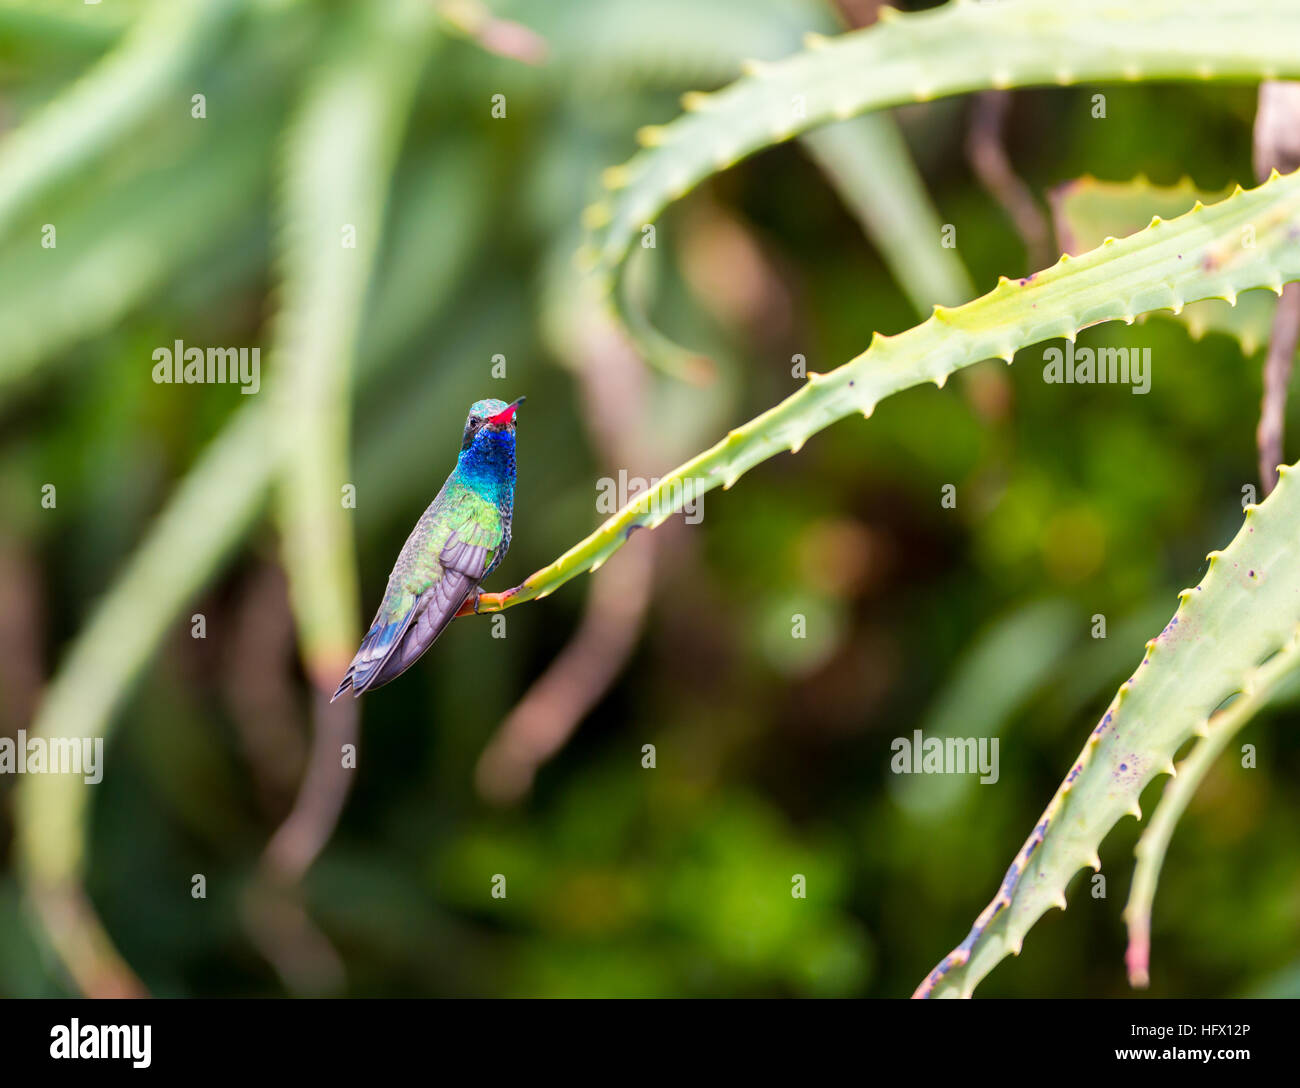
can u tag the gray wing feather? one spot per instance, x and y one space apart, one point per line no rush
463 566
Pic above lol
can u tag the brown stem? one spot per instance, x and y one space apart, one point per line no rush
989 160
1277 147
272 911
271 908
504 37
325 787
859 13
82 944
21 635
286 936
1277 377
259 686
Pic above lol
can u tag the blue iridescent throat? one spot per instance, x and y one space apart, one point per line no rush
488 466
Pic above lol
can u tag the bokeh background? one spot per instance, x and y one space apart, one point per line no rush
772 753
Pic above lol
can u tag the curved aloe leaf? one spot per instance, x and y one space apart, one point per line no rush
341 153
122 89
994 676
61 25
121 245
1244 612
865 159
627 43
202 521
1169 264
183 550
443 206
1256 690
206 516
1088 211
950 50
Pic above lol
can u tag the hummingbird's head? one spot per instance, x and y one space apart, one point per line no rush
489 417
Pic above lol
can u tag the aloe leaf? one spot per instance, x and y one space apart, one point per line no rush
29 28
75 11
119 91
157 208
201 523
949 50
1169 264
626 43
341 152
1245 610
1255 691
865 159
122 244
206 515
1088 211
443 206
1000 669
110 19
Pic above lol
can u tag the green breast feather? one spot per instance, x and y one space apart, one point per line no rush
457 511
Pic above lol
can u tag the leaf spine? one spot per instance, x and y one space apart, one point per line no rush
615 177
650 135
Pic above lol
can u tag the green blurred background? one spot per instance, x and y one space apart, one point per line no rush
772 753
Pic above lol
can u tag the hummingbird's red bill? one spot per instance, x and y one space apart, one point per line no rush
507 414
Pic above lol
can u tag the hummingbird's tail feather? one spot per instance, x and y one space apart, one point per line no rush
380 641
389 649
436 608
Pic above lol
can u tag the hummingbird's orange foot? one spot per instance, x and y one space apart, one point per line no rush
482 602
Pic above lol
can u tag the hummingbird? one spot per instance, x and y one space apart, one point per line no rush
458 542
